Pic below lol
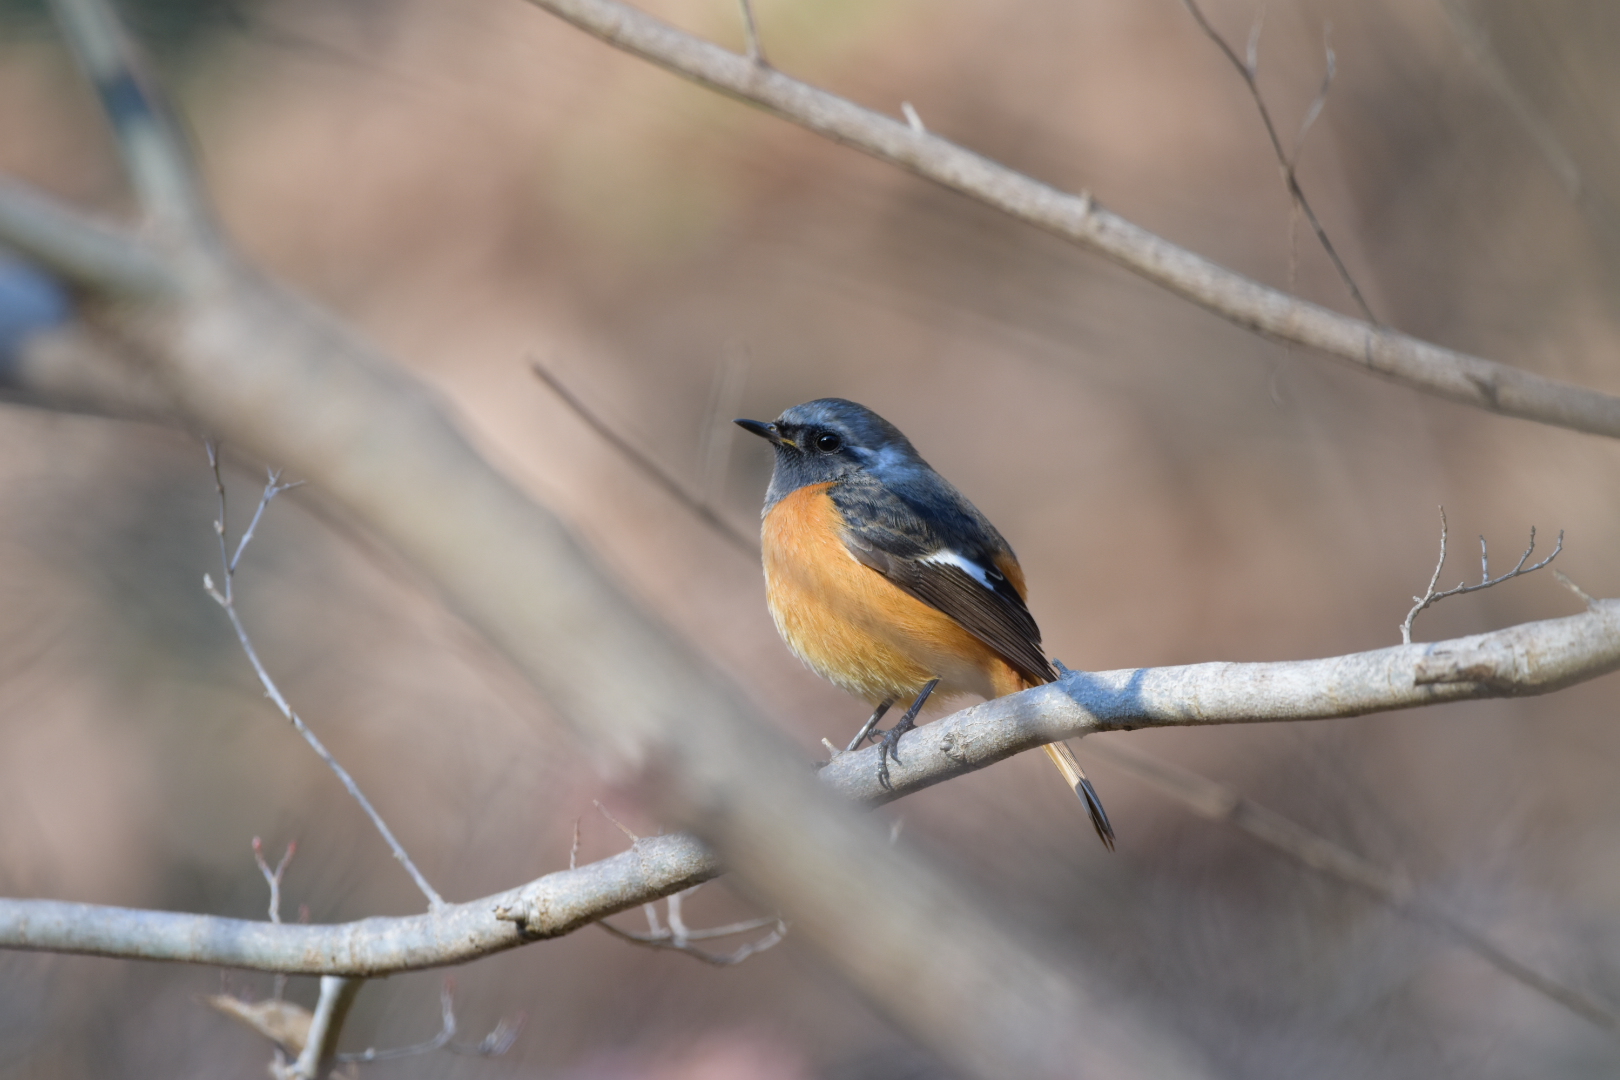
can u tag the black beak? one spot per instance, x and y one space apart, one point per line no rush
762 429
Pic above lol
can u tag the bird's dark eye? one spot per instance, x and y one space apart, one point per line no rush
829 443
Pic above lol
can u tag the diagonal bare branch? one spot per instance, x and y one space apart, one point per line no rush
226 599
1249 71
154 150
645 464
1452 375
1217 802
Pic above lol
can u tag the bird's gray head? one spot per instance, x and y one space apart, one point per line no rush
829 439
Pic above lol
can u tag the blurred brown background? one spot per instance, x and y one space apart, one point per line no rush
475 184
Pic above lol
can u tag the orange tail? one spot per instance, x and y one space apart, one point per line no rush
1075 777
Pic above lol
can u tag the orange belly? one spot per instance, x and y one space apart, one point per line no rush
848 623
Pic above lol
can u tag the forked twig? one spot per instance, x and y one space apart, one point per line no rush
226 599
1249 69
273 879
496 1043
677 936
1430 597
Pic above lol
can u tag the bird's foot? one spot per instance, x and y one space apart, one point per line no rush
890 746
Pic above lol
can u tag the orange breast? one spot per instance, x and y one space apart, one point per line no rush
852 626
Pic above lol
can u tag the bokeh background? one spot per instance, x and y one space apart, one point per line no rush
477 186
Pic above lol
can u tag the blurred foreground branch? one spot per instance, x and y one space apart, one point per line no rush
242 358
1531 658
1421 365
248 361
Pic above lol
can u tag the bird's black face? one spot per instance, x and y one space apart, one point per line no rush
827 440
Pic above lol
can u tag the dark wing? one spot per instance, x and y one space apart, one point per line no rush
945 553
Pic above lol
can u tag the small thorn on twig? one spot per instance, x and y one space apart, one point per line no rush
1564 580
756 51
621 826
912 118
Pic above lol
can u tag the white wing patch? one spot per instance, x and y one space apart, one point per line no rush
950 558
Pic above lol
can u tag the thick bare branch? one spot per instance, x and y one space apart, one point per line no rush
280 378
549 907
75 369
331 1010
1531 658
1519 661
1446 373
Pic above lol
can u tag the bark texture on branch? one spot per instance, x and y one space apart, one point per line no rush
1410 361
1531 658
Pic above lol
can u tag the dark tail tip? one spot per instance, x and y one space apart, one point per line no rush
1099 816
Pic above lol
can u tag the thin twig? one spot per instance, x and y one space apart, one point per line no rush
678 937
226 600
1586 598
725 396
496 1043
648 467
756 51
1430 597
1286 162
1475 39
273 879
615 822
1218 802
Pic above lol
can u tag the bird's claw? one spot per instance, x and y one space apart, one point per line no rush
888 748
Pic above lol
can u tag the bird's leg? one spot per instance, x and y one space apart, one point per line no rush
866 728
891 739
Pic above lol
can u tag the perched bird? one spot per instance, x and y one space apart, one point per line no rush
885 580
